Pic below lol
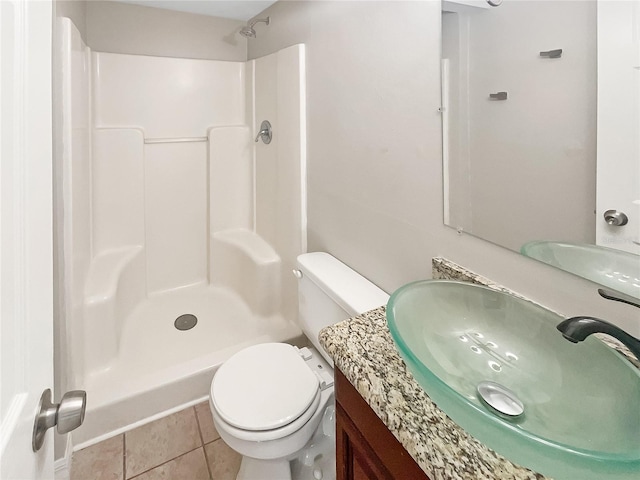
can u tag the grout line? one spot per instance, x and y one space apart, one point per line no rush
195 412
124 456
206 459
171 460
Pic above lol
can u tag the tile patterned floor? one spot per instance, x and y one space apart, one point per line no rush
184 445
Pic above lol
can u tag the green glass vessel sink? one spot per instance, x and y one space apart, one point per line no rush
581 401
609 267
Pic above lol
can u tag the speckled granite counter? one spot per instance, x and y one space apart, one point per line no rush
362 348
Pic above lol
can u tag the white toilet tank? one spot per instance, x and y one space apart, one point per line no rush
329 292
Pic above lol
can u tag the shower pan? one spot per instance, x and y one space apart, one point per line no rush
180 231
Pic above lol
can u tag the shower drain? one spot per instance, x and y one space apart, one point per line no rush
185 322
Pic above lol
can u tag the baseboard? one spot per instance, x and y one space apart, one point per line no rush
62 466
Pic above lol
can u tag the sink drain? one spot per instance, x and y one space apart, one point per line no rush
500 399
185 322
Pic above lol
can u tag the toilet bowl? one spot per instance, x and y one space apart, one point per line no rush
267 402
274 403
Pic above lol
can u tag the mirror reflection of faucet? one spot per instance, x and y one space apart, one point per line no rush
619 297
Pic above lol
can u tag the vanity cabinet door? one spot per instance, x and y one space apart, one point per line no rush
365 448
356 460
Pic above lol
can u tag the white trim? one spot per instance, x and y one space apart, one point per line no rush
444 111
253 64
62 466
303 146
26 283
176 140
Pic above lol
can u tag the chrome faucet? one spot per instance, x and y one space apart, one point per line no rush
576 329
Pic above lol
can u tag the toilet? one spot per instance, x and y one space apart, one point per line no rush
274 403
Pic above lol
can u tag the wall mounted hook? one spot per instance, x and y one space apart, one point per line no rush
498 96
552 53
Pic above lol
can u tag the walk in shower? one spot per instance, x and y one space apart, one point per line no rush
180 230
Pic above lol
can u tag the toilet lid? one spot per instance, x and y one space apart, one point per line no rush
263 387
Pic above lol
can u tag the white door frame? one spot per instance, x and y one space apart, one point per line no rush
618 166
26 266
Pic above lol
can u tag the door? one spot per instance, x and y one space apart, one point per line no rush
618 176
26 281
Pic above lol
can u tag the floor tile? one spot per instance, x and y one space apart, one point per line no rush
190 466
102 461
207 428
160 441
224 462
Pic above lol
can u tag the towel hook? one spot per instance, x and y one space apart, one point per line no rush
498 96
552 53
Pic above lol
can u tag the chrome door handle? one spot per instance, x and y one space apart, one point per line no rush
265 132
615 218
67 415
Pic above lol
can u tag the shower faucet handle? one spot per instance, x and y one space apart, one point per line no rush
265 132
615 218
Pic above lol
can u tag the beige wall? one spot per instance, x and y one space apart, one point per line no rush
76 10
374 148
543 134
123 28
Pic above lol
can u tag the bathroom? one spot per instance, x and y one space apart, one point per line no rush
373 139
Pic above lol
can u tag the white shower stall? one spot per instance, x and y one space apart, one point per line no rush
170 208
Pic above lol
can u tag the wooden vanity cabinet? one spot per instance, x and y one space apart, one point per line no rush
365 448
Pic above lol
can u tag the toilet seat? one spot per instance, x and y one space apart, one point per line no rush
262 436
265 388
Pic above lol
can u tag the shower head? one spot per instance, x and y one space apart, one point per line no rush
248 31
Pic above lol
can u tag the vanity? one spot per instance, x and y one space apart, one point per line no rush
366 449
371 378
389 427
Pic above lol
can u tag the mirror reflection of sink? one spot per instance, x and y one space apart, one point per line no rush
581 401
609 267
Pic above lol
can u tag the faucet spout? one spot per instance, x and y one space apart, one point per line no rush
576 329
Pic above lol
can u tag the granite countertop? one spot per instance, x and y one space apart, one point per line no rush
362 348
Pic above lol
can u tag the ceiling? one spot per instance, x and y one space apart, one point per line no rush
236 9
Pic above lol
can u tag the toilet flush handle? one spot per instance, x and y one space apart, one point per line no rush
265 132
297 273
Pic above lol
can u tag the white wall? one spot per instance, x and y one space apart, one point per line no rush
123 28
280 217
155 194
374 151
76 10
167 97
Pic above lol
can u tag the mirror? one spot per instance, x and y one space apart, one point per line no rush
523 124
